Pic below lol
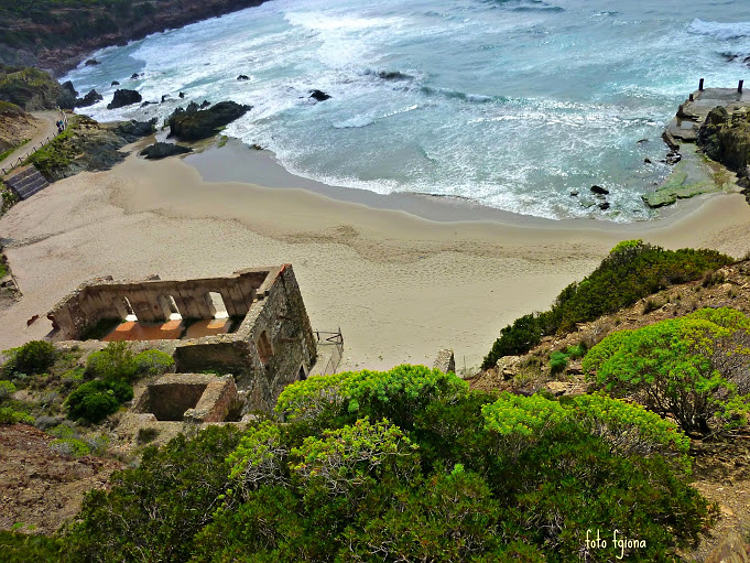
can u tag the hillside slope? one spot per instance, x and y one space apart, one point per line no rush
55 34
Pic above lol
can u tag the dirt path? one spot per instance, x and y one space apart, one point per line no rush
46 128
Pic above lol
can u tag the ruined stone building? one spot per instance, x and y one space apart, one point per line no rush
251 324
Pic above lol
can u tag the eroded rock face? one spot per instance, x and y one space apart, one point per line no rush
725 138
124 98
163 150
133 130
194 124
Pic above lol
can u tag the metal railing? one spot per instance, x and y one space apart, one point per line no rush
21 159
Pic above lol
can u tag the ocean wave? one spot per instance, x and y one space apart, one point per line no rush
723 31
464 96
388 74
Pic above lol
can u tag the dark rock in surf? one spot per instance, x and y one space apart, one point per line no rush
89 99
124 98
598 190
133 130
243 77
319 95
194 124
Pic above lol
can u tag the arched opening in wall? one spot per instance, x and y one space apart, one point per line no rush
301 376
216 304
265 350
125 309
169 306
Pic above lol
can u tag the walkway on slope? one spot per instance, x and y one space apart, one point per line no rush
46 128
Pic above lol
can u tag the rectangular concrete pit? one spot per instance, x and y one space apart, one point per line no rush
189 397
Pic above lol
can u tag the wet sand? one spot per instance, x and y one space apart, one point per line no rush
399 284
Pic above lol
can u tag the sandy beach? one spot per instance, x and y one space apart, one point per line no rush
399 285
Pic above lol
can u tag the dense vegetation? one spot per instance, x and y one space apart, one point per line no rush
31 88
401 465
632 271
692 368
65 388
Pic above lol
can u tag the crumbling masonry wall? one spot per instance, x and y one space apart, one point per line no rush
273 346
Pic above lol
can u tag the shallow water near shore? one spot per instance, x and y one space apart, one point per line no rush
513 104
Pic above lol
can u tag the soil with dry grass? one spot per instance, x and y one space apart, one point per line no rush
39 488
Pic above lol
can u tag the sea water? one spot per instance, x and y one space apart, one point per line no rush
515 104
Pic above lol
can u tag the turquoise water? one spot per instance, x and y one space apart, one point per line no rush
512 103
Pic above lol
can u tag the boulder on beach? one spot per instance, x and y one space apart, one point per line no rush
163 150
89 99
133 130
194 124
124 98
319 95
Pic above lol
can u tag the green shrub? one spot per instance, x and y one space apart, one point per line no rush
94 400
468 476
632 271
558 361
693 368
153 362
10 416
70 447
21 548
6 389
116 361
157 507
36 356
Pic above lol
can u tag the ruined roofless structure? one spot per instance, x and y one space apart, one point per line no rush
252 324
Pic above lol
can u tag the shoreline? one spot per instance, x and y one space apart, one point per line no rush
400 286
236 161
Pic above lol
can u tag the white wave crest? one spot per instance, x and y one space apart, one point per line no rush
723 31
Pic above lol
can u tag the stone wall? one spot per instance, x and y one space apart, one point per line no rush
273 346
150 301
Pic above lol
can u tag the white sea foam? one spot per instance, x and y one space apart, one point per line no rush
720 30
513 109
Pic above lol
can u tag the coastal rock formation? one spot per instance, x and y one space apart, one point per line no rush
194 124
30 88
86 146
124 98
160 150
319 95
712 123
92 62
243 77
89 99
598 190
133 130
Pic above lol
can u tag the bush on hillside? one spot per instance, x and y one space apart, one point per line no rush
33 357
693 368
632 271
157 507
8 415
94 400
463 476
153 362
117 361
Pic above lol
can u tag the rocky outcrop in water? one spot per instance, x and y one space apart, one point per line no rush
89 99
163 150
193 124
319 95
133 130
124 98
